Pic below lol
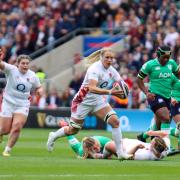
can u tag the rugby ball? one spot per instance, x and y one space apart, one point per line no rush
122 86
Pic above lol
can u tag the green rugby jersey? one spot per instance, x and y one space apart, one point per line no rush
176 88
160 77
102 141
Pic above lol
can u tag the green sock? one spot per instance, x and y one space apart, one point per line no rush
166 128
172 132
74 143
179 140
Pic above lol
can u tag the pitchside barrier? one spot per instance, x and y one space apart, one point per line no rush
131 120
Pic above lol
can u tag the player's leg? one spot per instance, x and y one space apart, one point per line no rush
154 126
5 126
17 124
5 119
175 112
73 128
109 150
177 129
75 124
107 114
161 108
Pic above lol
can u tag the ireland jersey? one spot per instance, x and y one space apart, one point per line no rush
160 76
176 88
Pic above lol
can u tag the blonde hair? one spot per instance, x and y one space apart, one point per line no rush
159 145
95 56
88 142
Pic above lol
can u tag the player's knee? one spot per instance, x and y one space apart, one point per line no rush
4 130
114 122
71 130
16 127
165 118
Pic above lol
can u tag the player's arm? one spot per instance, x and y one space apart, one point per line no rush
96 155
2 66
157 133
141 75
39 91
96 90
135 148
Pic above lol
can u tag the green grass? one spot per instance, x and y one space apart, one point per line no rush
30 160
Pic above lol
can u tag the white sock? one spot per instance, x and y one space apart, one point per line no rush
59 133
7 149
117 137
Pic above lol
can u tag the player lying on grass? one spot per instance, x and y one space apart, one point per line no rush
100 147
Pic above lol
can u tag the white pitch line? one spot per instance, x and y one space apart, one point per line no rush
72 175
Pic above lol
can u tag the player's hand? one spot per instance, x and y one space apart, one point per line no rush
40 91
150 96
141 146
115 91
173 101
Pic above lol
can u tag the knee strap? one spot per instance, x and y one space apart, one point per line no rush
75 125
108 115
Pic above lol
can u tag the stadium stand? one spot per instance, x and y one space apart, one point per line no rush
27 26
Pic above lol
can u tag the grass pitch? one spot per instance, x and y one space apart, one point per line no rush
30 160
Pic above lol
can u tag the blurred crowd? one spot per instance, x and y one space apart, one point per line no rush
28 25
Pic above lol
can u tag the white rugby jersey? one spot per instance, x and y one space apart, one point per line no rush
140 154
104 77
18 87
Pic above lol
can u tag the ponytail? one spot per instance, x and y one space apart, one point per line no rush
95 56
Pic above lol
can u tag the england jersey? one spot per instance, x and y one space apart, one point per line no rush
103 76
141 154
18 87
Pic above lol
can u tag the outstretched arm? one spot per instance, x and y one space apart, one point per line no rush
157 133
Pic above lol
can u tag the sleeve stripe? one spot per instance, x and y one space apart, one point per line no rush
142 75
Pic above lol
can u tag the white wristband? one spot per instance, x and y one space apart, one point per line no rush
110 92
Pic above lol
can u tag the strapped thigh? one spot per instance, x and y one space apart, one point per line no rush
108 115
74 124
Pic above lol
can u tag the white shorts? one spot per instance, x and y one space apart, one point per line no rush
83 110
8 109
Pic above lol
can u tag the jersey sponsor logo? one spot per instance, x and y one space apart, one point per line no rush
169 66
160 100
21 87
104 84
164 75
144 66
157 68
